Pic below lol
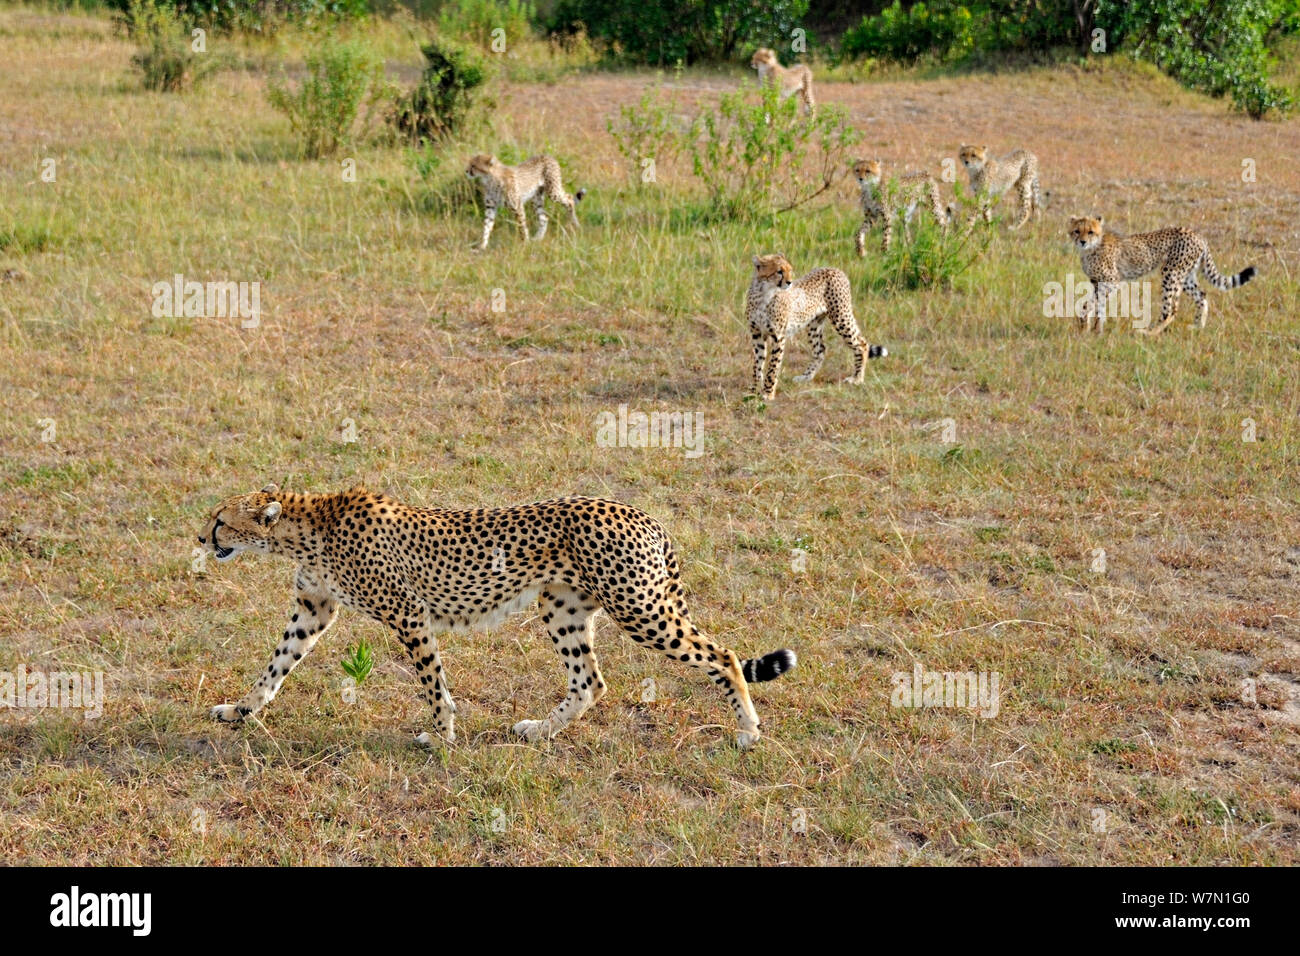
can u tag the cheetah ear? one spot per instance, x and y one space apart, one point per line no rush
1099 220
270 489
757 262
272 511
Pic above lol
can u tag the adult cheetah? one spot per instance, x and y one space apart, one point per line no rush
426 570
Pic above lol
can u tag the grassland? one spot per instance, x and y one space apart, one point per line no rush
1122 692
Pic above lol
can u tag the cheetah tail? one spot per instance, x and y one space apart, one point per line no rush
1220 281
876 351
769 666
577 197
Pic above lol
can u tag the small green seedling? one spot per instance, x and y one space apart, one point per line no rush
359 662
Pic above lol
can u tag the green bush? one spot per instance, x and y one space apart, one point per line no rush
475 20
446 94
342 77
754 153
1218 48
681 31
650 130
165 55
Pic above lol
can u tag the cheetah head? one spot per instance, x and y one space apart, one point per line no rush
242 523
1085 231
773 272
481 166
762 57
973 157
867 172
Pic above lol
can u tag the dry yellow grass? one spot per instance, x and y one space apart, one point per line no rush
1121 691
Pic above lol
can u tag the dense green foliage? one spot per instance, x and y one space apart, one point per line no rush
685 31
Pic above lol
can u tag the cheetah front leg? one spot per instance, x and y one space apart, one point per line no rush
313 613
775 354
489 220
569 618
860 240
759 342
415 630
1101 299
817 340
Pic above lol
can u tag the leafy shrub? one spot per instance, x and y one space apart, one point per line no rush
474 20
1218 48
342 77
650 130
907 35
681 31
445 96
164 54
935 256
753 152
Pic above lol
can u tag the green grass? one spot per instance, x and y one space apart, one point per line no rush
1121 690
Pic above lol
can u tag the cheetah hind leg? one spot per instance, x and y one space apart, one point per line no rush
568 615
669 630
817 340
1202 304
539 210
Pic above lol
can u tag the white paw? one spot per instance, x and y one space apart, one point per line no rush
803 378
226 713
429 740
851 381
745 739
531 730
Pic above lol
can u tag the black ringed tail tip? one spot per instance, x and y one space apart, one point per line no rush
769 666
877 351
579 194
1245 275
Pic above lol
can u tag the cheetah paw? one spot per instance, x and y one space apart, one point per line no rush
226 714
532 730
747 739
803 378
428 740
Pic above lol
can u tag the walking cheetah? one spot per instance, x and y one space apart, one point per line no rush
777 307
789 80
885 202
423 570
1178 252
990 178
534 179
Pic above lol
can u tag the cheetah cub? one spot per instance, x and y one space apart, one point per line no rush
1178 252
534 179
990 178
788 79
777 308
885 202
